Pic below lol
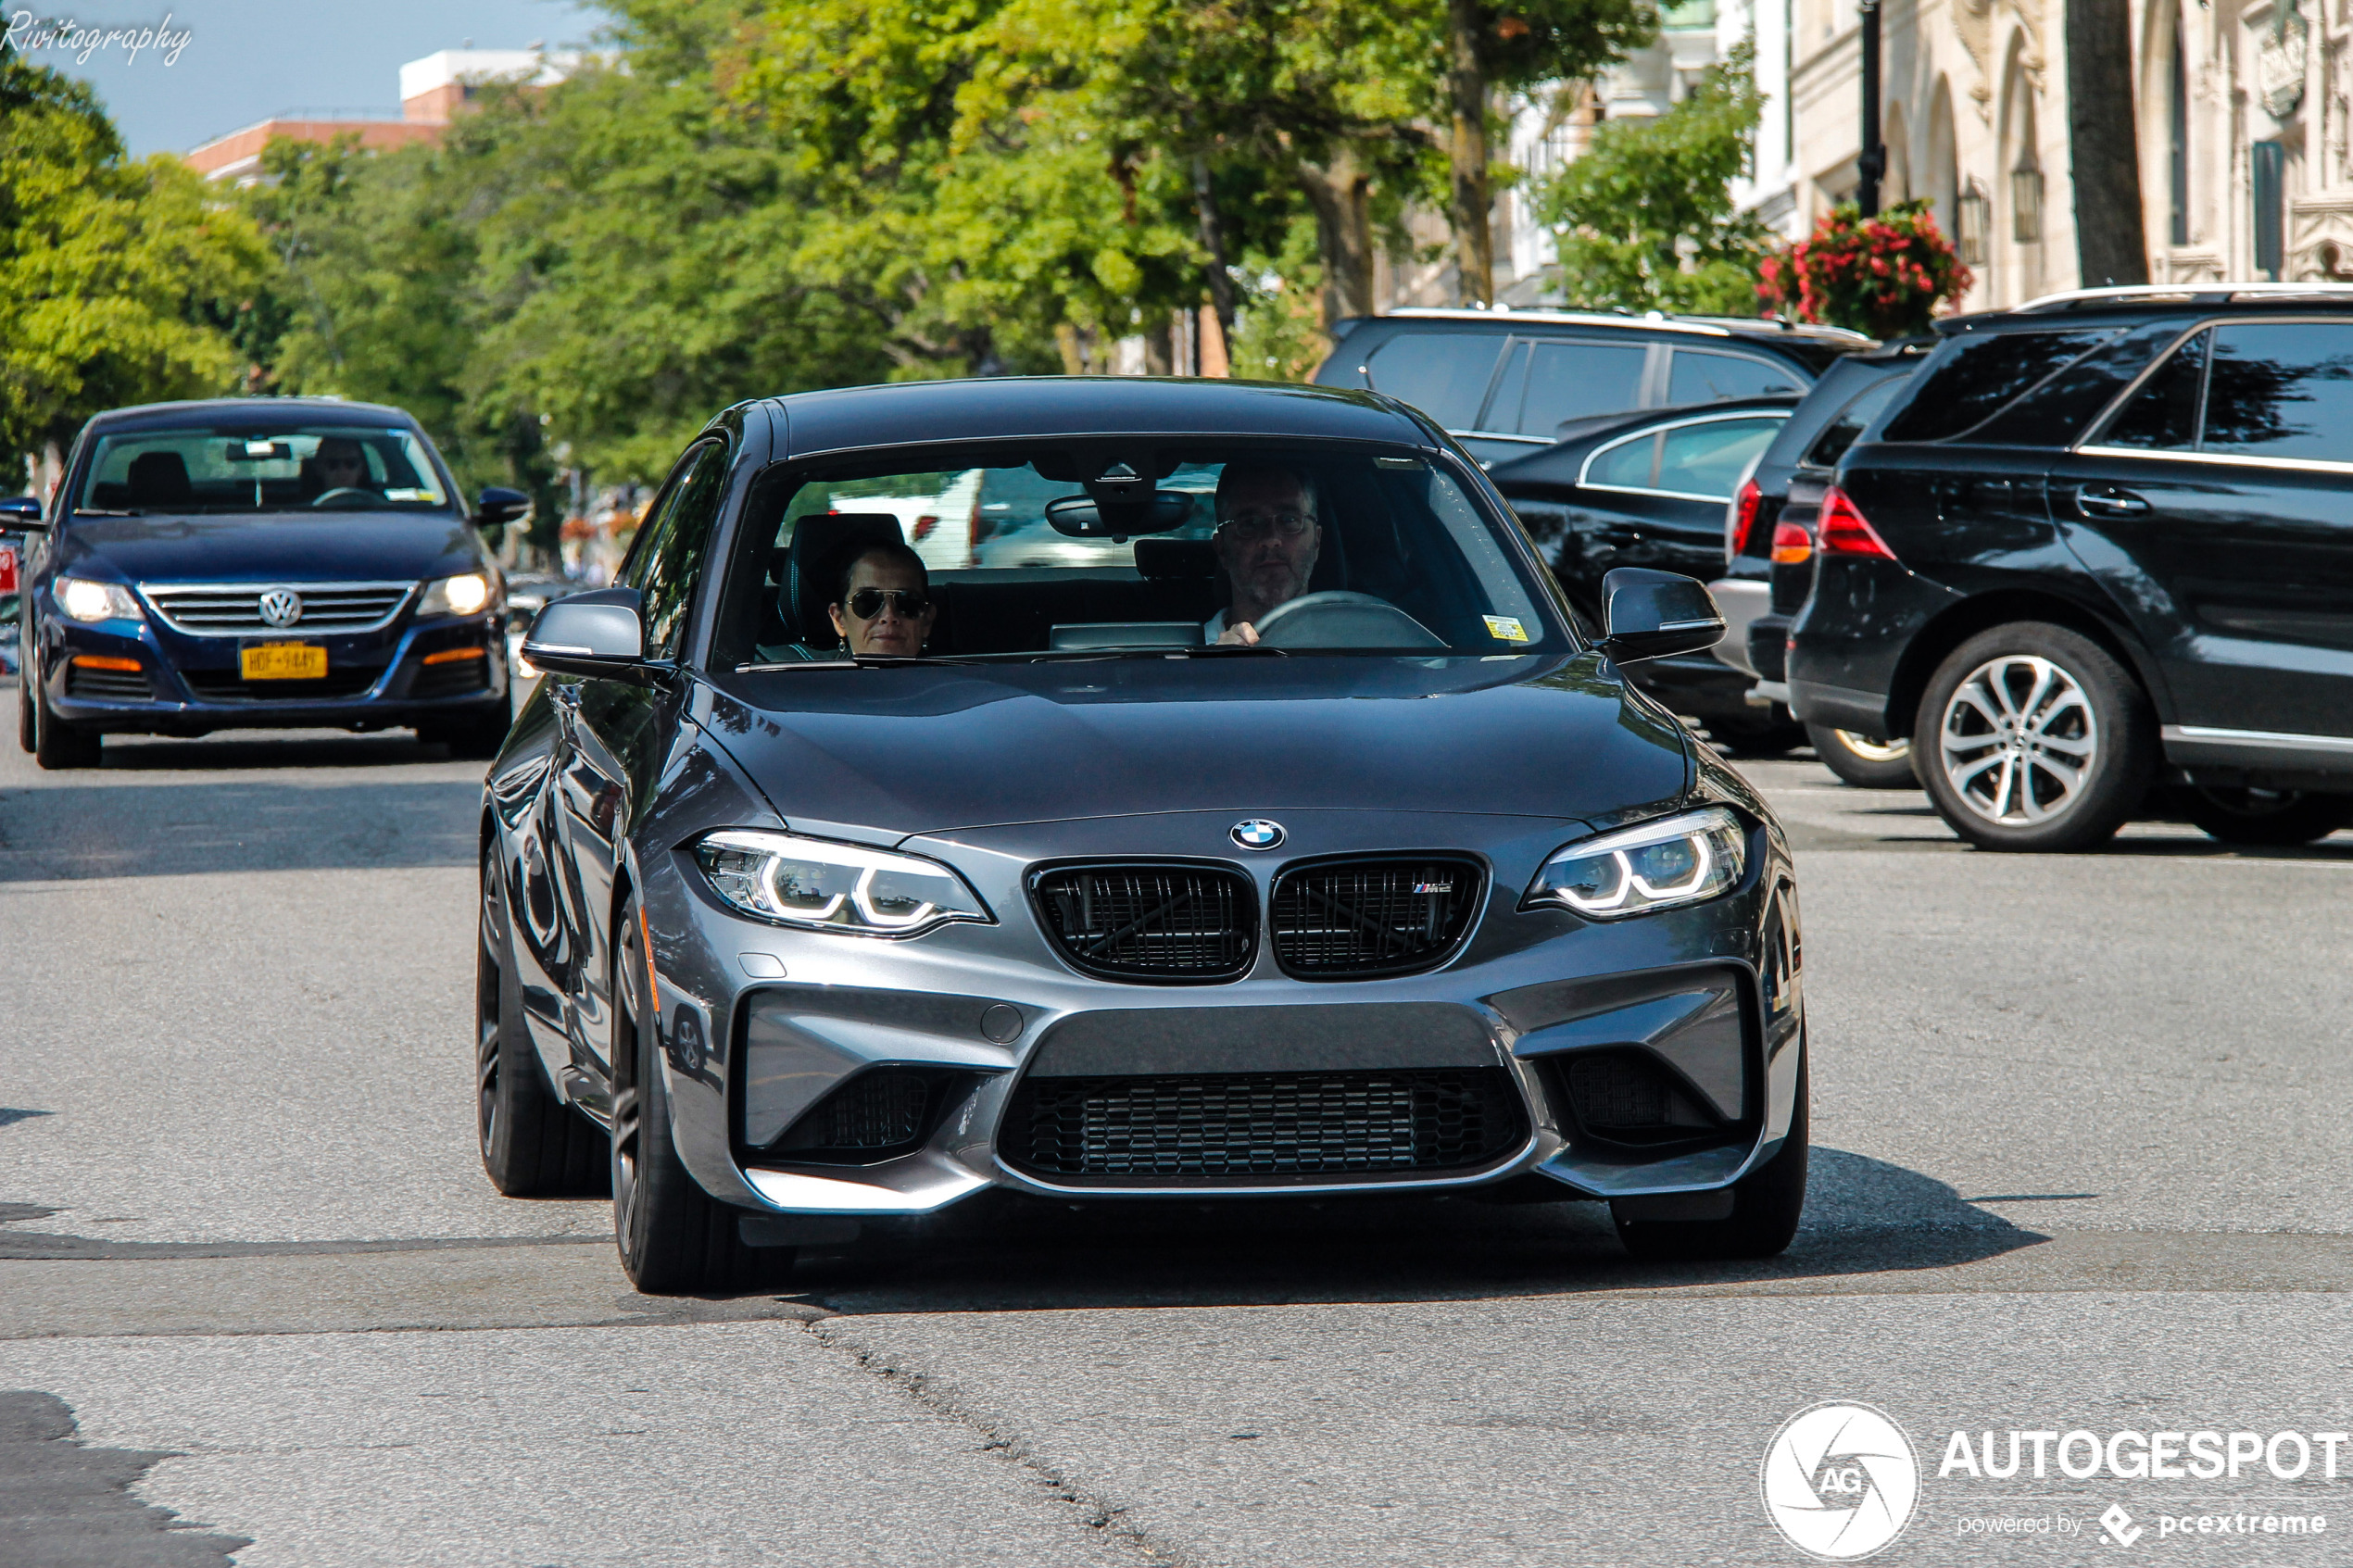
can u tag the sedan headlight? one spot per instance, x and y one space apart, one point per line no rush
821 885
456 596
92 601
1679 859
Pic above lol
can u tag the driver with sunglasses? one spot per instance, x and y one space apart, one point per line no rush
886 605
1267 539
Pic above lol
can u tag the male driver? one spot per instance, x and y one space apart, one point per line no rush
341 465
1267 538
886 602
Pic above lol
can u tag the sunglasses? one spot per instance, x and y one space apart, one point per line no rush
867 603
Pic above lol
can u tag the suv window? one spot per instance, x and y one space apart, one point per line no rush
2281 389
670 558
1570 380
1840 433
1980 376
1704 457
1698 376
1443 374
2163 414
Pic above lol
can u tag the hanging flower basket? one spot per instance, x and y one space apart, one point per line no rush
1884 276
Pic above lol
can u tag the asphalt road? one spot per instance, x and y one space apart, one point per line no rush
2080 1145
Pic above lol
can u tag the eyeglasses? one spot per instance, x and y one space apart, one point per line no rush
343 462
1277 525
867 603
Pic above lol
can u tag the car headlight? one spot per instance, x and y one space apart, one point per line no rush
826 886
91 602
456 596
1679 859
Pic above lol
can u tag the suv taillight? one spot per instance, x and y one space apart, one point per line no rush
1792 544
1745 502
1844 531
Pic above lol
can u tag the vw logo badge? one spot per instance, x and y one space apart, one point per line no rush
1258 833
281 607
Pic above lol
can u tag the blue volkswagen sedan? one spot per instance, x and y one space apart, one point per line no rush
245 563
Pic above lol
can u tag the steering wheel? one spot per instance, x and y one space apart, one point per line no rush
342 495
1339 619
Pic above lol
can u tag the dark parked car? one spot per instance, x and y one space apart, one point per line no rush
2103 543
1769 549
1649 490
1503 382
1412 894
250 563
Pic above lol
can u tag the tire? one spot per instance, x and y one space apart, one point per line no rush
1767 1203
1862 761
1759 736
533 1144
2032 737
24 716
675 1239
470 737
2266 816
57 744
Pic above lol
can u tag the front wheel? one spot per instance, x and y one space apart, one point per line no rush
2266 816
470 737
1862 761
56 744
675 1239
1766 1203
533 1144
2033 737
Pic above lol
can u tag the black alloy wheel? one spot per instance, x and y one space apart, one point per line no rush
1766 1203
2033 737
1862 761
533 1144
25 741
2266 816
675 1239
56 745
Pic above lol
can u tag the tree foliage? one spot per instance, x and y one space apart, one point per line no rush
1645 219
120 282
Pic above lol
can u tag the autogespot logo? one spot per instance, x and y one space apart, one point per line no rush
1839 1481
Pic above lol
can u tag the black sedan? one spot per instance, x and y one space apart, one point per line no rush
1294 844
260 563
1650 490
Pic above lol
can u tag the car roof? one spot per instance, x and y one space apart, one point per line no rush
248 411
1015 407
1505 319
2125 306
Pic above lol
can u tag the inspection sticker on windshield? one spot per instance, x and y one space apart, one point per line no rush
1505 628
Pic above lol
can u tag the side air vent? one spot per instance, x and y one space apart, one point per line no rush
877 1114
1357 920
1626 1097
1175 925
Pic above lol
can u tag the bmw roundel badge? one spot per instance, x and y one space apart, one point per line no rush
1258 833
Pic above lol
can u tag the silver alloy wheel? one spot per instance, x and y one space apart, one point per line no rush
2017 739
488 982
1871 750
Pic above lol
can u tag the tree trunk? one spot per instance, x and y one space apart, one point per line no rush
1466 87
2103 151
1213 240
1340 192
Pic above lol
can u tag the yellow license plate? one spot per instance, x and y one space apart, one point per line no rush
282 661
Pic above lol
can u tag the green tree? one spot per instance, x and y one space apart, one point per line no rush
120 281
1645 219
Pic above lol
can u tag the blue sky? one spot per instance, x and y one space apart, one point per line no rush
246 60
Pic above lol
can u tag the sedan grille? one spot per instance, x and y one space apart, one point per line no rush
1361 919
1240 1127
1171 924
107 685
226 685
235 609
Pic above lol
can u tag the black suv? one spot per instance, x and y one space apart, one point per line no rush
1503 382
2104 543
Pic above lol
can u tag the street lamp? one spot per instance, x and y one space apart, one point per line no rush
1976 215
1870 163
2026 199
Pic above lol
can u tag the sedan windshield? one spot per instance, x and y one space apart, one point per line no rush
1106 549
300 468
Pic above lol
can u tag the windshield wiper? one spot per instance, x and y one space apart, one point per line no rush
850 662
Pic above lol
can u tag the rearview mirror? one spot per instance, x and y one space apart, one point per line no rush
593 634
22 513
501 506
1650 614
1085 517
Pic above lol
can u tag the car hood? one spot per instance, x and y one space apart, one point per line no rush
887 752
278 548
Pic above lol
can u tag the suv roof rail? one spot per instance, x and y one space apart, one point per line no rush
1720 326
2195 293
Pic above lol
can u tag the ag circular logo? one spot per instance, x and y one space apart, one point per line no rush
1258 833
1841 1480
281 607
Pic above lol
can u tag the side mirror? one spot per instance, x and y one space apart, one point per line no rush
501 506
1650 614
23 514
591 633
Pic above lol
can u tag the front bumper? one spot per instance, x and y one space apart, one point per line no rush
760 1025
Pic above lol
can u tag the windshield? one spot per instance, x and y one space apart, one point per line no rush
1111 549
296 468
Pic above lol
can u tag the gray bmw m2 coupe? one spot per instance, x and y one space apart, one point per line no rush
1287 841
